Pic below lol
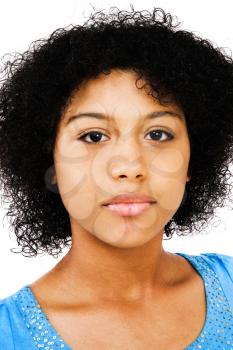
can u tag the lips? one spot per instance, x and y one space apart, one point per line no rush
128 209
130 198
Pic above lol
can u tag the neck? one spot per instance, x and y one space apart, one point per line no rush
107 273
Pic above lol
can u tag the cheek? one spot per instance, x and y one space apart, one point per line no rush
76 189
171 194
81 175
169 171
69 178
169 163
71 165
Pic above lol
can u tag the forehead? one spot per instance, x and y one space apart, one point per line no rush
116 96
109 87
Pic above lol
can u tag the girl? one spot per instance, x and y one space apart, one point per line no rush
113 134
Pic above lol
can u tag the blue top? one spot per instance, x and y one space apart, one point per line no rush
24 326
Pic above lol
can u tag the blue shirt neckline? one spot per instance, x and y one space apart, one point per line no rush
54 334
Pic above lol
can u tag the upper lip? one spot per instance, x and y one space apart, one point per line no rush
130 198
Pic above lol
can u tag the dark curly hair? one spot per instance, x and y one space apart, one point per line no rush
176 65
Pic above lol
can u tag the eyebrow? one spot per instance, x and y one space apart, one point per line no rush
102 116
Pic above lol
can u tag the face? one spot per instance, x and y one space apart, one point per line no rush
125 151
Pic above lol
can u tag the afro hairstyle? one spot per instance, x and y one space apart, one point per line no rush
37 85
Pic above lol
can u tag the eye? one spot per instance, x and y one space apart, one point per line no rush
157 134
95 136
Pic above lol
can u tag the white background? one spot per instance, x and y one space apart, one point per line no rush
22 22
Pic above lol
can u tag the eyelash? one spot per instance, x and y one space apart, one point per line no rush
170 136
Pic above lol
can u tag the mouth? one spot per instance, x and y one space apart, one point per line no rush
129 209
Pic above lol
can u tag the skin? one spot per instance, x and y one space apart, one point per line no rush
117 287
117 261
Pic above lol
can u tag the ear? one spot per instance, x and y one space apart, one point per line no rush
54 179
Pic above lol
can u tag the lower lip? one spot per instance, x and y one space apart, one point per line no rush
128 209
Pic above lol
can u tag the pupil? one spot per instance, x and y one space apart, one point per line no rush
154 133
94 138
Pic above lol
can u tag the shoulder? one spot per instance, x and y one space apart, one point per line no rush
14 333
6 335
222 265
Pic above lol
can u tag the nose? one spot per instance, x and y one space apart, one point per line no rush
130 175
128 170
132 167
